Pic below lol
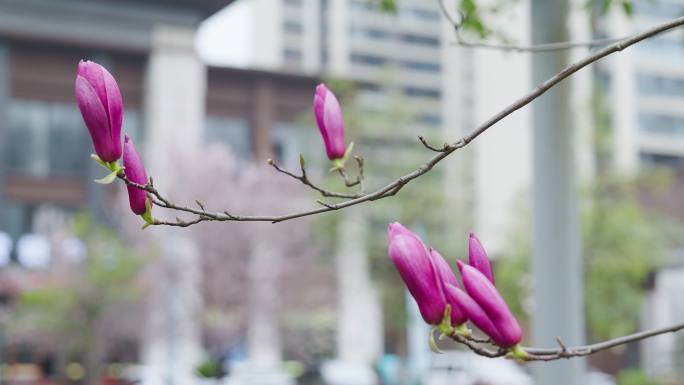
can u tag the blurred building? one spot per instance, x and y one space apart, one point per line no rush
172 99
382 52
644 86
44 145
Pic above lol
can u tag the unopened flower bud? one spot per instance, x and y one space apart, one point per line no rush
99 100
330 122
483 291
477 257
135 172
417 269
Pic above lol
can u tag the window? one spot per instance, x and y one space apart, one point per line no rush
650 84
418 14
430 119
419 40
660 124
422 92
293 27
231 132
368 59
370 33
654 160
420 66
658 8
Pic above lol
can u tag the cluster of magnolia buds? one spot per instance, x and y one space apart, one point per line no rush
442 302
101 105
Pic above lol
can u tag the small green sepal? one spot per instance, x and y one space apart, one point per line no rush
109 178
519 353
301 161
462 330
338 164
147 215
113 167
431 340
445 327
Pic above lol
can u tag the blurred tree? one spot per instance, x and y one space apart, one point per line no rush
635 377
86 311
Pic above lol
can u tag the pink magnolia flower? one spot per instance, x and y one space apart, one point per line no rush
330 122
99 100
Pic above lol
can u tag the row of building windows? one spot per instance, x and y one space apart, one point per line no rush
378 61
385 35
663 9
405 11
661 124
653 84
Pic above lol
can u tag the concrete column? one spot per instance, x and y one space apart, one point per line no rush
174 116
557 263
337 41
359 314
4 119
311 38
174 101
263 336
623 99
172 347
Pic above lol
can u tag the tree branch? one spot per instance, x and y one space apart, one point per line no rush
551 354
395 186
519 48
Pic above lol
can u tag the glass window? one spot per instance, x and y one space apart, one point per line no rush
50 139
661 124
651 84
368 32
232 132
421 66
422 92
293 27
418 13
419 40
368 59
652 160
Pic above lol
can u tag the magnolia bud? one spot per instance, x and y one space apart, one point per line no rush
483 291
477 257
448 277
99 100
330 122
417 269
135 172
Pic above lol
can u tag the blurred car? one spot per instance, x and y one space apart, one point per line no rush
467 368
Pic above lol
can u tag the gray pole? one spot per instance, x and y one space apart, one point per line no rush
557 265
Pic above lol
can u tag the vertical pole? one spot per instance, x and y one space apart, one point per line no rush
4 104
4 119
557 265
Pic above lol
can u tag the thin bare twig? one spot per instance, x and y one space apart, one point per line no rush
519 48
305 180
551 354
395 186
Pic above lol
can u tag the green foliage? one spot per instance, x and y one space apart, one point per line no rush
388 5
211 369
635 377
472 18
68 307
603 6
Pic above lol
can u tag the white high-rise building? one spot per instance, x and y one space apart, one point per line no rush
644 86
350 39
